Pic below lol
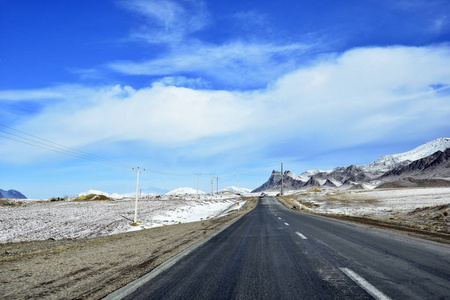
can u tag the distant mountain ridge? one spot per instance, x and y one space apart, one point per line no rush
430 160
12 194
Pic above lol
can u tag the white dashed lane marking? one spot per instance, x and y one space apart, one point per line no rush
301 235
287 224
373 291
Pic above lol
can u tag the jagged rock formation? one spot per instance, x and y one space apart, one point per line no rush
430 160
312 182
329 183
274 183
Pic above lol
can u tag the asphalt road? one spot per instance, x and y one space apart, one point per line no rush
275 253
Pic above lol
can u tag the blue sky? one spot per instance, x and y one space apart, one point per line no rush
224 87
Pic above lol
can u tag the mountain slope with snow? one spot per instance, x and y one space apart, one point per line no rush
184 190
389 162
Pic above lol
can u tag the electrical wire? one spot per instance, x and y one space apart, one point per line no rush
55 147
35 141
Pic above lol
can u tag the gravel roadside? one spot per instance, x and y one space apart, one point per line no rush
93 268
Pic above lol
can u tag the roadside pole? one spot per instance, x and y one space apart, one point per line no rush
137 195
282 175
198 174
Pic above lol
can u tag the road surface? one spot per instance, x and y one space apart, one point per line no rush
275 253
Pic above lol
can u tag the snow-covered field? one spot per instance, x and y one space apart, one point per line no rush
30 220
372 202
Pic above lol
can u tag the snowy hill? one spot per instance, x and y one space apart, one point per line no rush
389 162
184 190
238 190
12 194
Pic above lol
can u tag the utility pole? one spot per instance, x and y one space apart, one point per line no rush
137 195
217 186
282 175
198 174
212 184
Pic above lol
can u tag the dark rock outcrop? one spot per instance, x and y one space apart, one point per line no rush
329 183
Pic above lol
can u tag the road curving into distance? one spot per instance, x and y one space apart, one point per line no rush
275 253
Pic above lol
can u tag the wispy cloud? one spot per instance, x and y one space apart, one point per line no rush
38 94
167 21
252 58
236 64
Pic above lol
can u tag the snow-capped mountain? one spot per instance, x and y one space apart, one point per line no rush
184 190
12 194
430 160
389 162
305 176
235 189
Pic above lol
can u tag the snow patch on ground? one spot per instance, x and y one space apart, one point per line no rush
380 203
28 220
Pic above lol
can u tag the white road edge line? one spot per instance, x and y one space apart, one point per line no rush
373 291
287 224
301 235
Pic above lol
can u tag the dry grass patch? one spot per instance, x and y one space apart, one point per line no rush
93 197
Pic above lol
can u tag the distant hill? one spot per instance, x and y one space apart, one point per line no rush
12 194
428 161
235 189
184 191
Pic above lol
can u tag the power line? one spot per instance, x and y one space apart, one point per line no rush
59 146
55 147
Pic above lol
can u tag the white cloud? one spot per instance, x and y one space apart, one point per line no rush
361 96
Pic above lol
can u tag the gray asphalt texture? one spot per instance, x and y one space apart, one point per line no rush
262 256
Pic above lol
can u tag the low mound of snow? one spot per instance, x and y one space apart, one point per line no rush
184 191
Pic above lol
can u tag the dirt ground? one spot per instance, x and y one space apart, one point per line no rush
93 268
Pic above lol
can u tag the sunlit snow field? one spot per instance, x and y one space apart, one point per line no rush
373 202
42 220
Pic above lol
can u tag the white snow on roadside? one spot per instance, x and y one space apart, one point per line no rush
42 220
374 202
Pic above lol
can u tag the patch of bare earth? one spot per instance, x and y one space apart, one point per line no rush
93 268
